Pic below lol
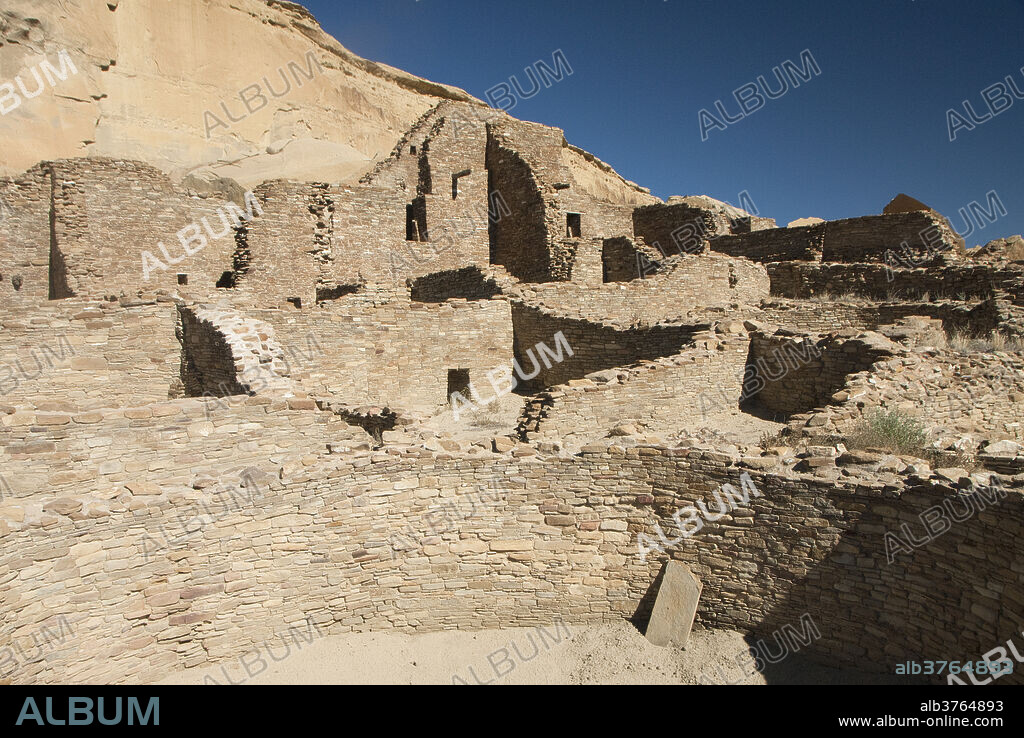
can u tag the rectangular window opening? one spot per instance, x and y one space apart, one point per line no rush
411 231
458 382
455 182
573 225
416 221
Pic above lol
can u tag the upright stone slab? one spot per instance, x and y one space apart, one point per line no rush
675 606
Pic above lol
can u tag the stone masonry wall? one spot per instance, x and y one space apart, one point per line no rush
662 392
538 242
468 283
621 259
918 235
792 374
522 542
827 316
587 261
75 355
519 240
952 394
687 289
882 282
276 258
804 243
227 353
25 237
594 346
90 457
370 348
678 227
328 236
108 213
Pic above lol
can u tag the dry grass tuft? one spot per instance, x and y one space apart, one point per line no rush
995 342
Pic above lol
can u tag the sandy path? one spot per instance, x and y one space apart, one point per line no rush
573 654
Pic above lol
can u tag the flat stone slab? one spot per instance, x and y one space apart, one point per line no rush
675 607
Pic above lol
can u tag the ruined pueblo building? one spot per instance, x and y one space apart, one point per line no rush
397 360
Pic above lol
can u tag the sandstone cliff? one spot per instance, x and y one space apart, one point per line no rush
166 82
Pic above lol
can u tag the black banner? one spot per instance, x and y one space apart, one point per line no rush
269 707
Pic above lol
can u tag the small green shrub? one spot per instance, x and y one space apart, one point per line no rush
891 430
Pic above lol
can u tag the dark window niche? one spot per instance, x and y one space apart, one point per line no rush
416 221
458 381
573 225
455 182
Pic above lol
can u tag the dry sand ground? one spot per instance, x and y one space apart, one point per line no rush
573 654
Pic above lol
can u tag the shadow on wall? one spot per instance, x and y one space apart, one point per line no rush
854 579
519 240
928 604
787 375
207 365
469 283
582 347
328 293
59 288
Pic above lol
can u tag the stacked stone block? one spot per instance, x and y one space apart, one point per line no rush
522 542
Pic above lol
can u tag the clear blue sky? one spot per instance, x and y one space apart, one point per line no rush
873 124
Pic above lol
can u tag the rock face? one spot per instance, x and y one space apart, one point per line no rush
804 222
247 90
166 83
1011 249
704 202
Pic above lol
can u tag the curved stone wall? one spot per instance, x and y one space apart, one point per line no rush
953 394
422 542
227 353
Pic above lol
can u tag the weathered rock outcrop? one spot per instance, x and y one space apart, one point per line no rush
1010 248
248 90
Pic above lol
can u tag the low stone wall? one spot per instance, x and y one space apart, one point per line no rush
381 348
94 454
917 235
664 393
226 353
792 374
362 544
72 355
587 262
804 243
594 346
678 227
829 316
685 288
622 259
952 394
886 283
